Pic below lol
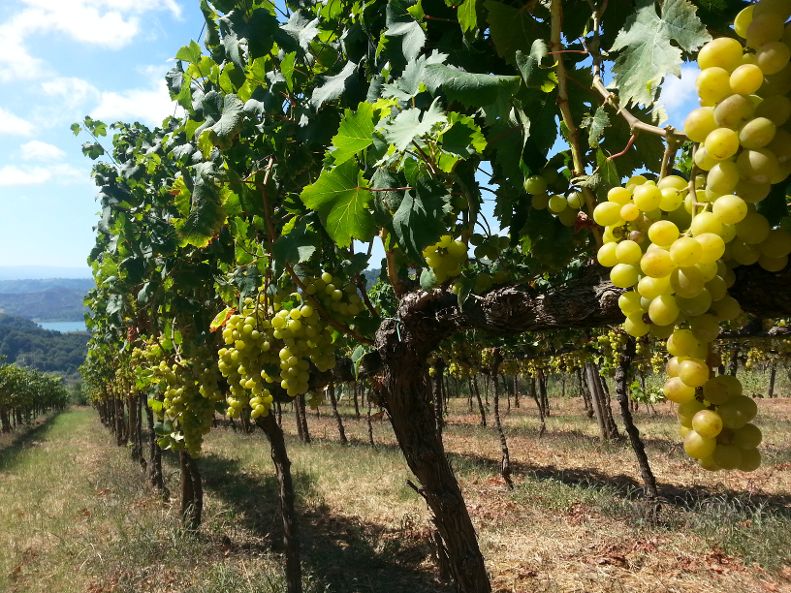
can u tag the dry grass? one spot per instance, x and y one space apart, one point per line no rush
75 514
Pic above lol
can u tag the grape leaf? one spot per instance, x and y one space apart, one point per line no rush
231 119
355 133
418 222
646 51
412 78
512 29
596 125
468 88
407 125
333 86
400 23
468 15
341 198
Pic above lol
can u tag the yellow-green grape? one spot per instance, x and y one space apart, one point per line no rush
699 123
685 251
732 111
721 144
663 310
746 79
624 275
756 133
663 233
730 209
557 204
707 423
657 263
776 108
607 213
763 29
737 411
712 246
606 255
723 52
650 287
535 185
647 197
677 391
748 436
713 85
753 228
628 252
698 446
743 20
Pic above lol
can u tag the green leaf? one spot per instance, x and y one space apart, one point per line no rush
596 125
419 220
408 125
412 78
189 53
301 30
355 133
231 119
206 212
470 89
296 246
400 23
646 50
529 65
341 197
467 13
333 86
156 406
287 69
512 28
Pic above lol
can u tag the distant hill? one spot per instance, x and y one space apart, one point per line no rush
25 343
52 299
35 272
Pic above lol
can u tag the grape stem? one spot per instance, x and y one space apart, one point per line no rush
629 145
565 112
635 123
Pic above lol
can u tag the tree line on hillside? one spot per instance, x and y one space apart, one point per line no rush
25 343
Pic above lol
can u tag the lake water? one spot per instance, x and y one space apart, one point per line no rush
64 327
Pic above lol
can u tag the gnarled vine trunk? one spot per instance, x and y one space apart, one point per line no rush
288 512
191 492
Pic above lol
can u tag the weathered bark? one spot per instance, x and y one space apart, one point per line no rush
286 499
505 460
279 413
191 492
303 417
297 413
601 408
155 476
772 378
733 364
622 394
370 424
539 404
407 398
542 392
516 390
121 437
356 402
481 409
586 399
436 392
338 419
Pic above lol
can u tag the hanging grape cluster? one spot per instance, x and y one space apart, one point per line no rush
673 244
189 386
273 341
445 257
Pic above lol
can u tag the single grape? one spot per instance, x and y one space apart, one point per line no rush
722 144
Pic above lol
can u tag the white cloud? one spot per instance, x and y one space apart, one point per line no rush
149 105
71 91
13 125
107 23
679 95
12 175
36 150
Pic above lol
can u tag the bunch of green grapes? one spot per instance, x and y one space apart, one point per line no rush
673 244
189 386
677 291
272 343
609 346
564 204
446 257
742 127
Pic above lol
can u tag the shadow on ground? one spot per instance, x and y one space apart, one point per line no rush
26 438
343 554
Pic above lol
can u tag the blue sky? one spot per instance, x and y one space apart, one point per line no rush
63 59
